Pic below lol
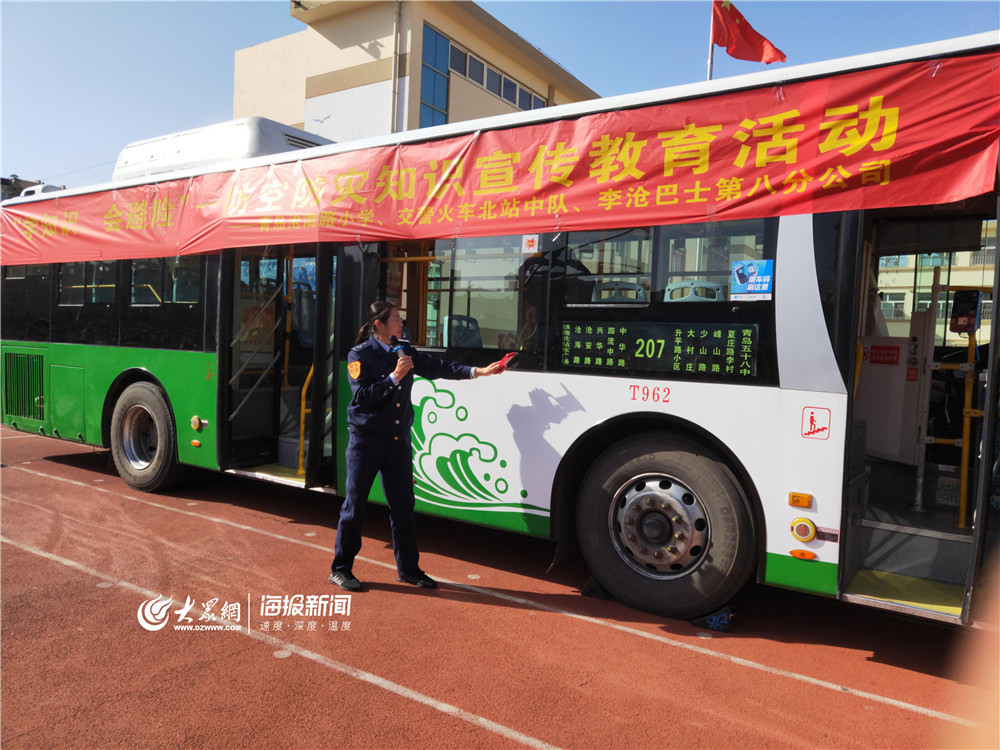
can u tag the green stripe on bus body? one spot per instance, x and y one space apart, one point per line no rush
813 576
75 405
511 518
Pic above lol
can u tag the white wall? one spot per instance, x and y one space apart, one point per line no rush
352 114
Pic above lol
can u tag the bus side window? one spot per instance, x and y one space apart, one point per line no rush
473 298
610 267
147 282
25 314
714 262
72 283
101 282
186 276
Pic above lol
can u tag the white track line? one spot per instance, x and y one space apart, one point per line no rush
875 698
358 674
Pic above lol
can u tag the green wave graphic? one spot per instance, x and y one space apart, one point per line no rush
456 469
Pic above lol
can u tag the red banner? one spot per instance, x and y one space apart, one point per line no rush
908 134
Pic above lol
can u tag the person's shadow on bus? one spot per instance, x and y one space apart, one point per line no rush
531 421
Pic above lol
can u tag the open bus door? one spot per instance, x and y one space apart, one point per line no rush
278 309
293 313
919 524
250 355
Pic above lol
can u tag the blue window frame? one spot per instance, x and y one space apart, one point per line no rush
434 79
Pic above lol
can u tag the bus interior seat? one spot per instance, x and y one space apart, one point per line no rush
695 291
462 331
619 291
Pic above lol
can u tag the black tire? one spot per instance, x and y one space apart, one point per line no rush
665 526
144 439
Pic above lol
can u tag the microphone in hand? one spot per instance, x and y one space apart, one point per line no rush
405 364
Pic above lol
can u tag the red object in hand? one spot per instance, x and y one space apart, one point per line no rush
506 360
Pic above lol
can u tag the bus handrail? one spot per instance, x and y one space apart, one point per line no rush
302 423
254 387
253 353
248 324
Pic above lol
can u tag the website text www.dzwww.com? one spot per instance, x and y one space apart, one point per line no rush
206 627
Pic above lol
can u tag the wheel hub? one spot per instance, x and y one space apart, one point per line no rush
655 528
139 437
659 526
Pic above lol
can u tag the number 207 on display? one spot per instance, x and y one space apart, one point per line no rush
649 348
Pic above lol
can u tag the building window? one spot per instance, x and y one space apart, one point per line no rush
892 261
933 259
509 90
985 257
434 79
440 57
459 60
493 81
924 301
894 306
476 70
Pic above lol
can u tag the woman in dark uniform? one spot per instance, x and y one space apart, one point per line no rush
379 419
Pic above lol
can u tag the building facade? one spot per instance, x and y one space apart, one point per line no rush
366 69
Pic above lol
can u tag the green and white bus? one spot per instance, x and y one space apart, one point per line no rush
753 319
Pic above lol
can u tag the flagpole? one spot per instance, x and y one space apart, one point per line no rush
711 43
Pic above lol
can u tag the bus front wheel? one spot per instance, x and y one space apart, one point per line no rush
144 439
665 526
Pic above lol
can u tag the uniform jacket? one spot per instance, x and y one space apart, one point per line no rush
379 406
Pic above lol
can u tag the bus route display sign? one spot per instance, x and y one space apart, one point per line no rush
724 350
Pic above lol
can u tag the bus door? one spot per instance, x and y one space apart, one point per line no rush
269 356
924 411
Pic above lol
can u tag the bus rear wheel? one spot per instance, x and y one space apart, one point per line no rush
144 439
665 526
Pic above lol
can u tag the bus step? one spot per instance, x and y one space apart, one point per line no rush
903 593
271 473
924 554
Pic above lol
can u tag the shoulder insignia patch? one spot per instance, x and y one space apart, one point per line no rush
354 368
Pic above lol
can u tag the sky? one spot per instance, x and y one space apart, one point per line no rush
80 80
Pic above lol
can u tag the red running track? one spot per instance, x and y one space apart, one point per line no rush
504 654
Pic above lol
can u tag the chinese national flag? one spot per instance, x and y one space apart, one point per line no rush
731 30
